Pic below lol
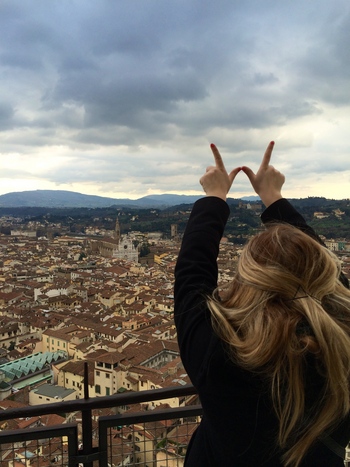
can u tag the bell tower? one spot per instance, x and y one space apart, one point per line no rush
116 234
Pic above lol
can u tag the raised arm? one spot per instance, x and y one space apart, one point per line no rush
196 268
267 183
196 271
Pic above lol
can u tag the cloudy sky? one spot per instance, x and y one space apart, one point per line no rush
122 98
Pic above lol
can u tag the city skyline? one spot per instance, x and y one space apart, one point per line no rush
122 99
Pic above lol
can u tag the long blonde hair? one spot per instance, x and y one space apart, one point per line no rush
285 306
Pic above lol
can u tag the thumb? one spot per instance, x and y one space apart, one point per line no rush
249 173
233 173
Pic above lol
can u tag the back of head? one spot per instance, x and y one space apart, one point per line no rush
284 303
283 259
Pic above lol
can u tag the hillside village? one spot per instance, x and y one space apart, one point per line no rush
69 300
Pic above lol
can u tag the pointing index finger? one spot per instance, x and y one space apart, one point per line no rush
218 159
267 156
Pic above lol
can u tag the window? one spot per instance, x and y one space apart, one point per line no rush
108 375
100 364
64 345
108 392
98 389
108 365
97 373
66 380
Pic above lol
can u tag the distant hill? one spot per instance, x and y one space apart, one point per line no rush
251 198
71 199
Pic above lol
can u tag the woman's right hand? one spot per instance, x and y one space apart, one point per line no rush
217 181
268 181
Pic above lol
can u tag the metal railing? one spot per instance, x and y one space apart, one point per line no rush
149 438
57 444
150 442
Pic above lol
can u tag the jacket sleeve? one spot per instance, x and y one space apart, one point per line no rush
283 211
196 275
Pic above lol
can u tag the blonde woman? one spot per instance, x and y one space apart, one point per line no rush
269 355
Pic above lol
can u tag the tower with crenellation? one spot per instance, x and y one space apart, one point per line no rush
116 234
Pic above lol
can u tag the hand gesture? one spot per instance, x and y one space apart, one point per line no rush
216 181
268 181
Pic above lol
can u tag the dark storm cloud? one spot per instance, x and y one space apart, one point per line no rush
88 85
325 66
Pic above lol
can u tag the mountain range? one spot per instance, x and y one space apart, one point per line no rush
71 199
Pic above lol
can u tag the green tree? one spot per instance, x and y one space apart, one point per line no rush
144 250
11 346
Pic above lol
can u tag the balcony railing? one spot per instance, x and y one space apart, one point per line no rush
152 438
149 438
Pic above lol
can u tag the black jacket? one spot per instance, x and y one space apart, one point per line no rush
239 425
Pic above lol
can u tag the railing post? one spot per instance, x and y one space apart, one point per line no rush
86 418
